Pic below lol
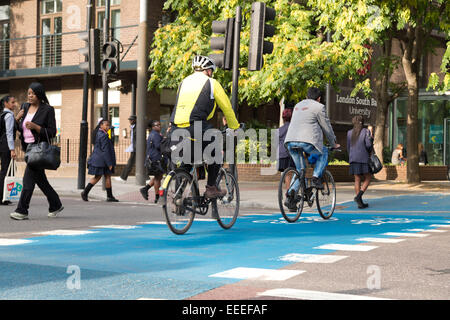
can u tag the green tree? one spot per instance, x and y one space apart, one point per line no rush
412 23
300 58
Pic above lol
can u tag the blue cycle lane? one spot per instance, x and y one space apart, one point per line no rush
148 261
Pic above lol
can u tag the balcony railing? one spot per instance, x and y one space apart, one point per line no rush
60 49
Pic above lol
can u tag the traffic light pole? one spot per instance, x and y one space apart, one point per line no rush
82 155
141 100
104 72
235 85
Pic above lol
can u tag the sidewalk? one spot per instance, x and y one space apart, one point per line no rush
262 195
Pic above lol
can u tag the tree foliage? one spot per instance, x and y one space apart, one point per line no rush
301 55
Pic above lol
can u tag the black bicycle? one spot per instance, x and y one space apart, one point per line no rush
291 205
182 199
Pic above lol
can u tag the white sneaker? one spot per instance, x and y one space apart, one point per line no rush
54 214
119 179
18 216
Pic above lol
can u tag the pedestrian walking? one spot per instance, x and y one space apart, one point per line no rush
37 124
423 157
132 149
155 163
284 158
359 147
101 162
8 129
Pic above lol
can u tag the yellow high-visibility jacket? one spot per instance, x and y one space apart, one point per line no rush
197 98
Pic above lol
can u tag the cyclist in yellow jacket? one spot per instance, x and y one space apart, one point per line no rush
197 98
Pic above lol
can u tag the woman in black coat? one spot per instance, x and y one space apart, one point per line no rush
37 124
153 153
102 161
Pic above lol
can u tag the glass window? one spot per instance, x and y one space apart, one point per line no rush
51 6
4 12
51 28
115 22
433 112
102 3
4 37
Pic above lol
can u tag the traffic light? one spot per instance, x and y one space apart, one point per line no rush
258 31
223 60
111 57
91 52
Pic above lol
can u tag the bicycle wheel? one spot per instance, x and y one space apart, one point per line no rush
227 207
178 204
291 207
326 198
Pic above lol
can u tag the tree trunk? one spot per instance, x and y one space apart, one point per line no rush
381 87
411 63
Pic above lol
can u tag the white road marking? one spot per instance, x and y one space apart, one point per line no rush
312 295
258 274
380 240
64 233
311 258
346 247
428 230
406 234
152 222
14 242
115 227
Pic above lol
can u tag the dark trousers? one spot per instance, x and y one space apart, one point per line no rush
6 159
130 164
32 177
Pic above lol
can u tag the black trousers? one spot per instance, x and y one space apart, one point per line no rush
32 177
6 159
131 162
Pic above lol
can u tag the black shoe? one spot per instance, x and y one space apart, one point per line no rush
290 201
317 183
84 196
111 199
5 203
360 203
144 193
156 198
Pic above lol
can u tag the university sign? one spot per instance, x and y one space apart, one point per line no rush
343 107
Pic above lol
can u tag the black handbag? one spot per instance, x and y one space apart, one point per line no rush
375 164
43 155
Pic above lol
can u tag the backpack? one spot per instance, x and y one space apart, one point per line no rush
3 128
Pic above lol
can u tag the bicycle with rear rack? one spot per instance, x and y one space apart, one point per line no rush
291 205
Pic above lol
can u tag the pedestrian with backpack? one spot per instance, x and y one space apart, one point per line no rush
8 128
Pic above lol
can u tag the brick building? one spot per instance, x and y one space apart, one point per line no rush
39 42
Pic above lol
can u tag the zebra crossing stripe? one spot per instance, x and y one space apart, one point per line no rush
380 240
258 274
406 234
346 247
424 230
312 295
311 258
115 227
14 242
64 233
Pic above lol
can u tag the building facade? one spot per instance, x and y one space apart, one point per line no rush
39 42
